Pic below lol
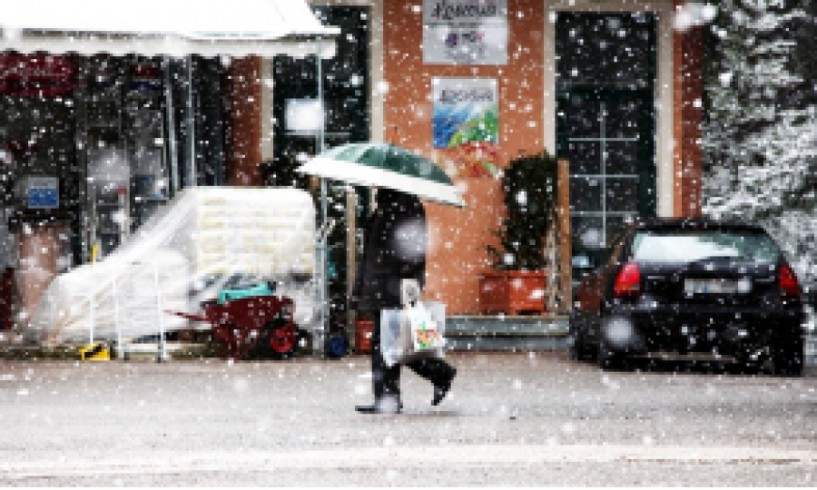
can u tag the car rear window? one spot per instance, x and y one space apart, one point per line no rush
684 246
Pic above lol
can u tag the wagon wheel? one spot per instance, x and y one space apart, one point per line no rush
280 339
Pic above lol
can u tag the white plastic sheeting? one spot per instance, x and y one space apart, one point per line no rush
182 256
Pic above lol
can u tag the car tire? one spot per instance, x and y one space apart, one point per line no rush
610 360
578 349
788 361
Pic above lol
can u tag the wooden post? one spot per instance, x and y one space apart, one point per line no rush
351 262
565 236
552 289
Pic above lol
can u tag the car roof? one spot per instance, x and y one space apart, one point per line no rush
696 223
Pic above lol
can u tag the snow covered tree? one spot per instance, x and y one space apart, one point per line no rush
760 136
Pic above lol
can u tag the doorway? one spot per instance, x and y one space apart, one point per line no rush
606 72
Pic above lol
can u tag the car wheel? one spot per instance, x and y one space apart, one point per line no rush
576 347
610 360
744 367
788 361
578 350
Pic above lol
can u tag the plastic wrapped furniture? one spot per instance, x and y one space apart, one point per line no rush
182 256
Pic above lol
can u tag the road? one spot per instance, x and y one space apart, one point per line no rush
511 419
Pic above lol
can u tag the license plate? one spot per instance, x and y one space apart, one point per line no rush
710 286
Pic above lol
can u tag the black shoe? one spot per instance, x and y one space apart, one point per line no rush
442 389
366 408
380 407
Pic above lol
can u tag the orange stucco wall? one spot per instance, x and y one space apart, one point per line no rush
458 237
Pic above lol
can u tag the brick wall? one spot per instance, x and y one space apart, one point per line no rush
244 138
688 92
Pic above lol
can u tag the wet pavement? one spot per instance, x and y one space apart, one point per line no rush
511 419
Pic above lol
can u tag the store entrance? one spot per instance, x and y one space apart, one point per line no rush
606 124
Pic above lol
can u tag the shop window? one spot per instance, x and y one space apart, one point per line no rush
38 173
345 94
128 116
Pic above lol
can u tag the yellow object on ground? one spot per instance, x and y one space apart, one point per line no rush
95 352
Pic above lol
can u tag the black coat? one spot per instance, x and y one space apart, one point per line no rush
394 249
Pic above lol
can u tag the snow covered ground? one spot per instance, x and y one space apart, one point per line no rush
511 419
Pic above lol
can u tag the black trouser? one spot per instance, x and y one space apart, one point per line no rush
386 380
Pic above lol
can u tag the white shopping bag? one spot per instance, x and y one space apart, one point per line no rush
396 339
425 332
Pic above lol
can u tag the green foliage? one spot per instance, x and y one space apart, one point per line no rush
529 187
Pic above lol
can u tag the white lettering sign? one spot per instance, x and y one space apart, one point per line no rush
465 32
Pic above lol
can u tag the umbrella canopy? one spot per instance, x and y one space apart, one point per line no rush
165 27
385 165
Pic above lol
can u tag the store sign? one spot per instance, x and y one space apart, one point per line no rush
36 75
42 192
466 125
465 32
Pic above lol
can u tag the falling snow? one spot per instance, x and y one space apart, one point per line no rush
133 187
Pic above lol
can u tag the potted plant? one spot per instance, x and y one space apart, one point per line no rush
516 282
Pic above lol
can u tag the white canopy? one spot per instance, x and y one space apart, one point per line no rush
166 27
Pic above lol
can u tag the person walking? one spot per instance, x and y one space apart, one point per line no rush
395 249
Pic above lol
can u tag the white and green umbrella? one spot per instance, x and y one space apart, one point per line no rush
385 165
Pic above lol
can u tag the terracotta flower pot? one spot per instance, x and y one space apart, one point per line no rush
512 292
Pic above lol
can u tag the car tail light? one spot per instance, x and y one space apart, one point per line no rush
787 280
628 282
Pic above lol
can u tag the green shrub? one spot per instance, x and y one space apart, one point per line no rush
529 186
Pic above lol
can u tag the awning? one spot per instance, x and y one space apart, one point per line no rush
166 27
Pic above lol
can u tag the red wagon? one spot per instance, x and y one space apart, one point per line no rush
258 326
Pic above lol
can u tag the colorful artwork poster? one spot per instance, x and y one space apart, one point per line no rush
466 125
465 32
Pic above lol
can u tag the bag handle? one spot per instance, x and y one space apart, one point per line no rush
410 292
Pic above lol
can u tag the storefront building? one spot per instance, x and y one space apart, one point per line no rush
91 147
612 86
102 122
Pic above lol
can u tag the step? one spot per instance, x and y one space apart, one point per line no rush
506 333
173 350
506 326
507 344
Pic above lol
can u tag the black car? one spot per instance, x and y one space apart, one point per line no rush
691 290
